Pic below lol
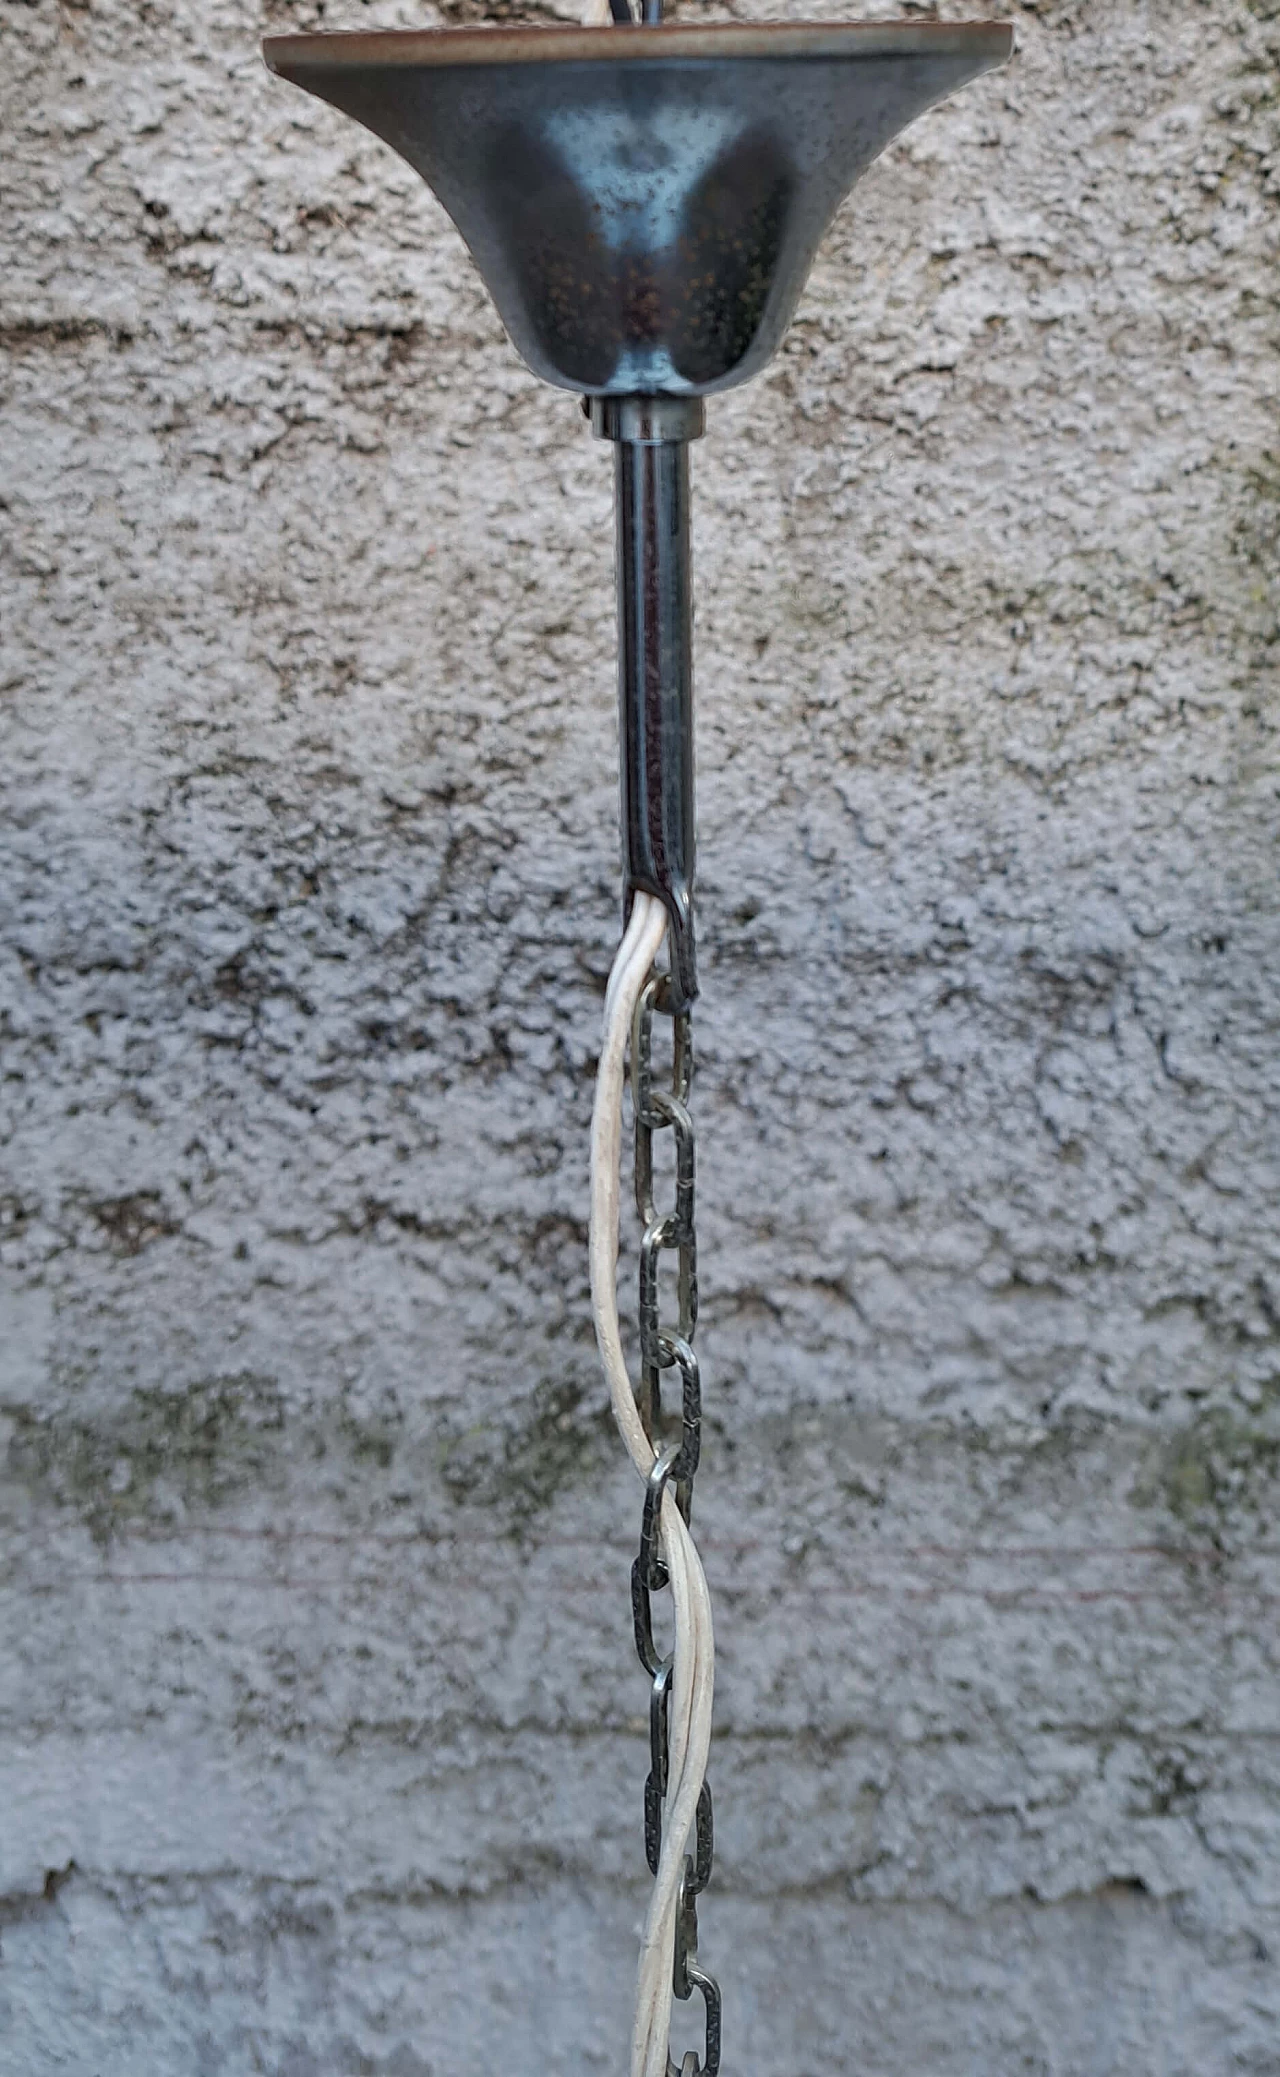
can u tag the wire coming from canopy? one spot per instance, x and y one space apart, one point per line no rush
693 1651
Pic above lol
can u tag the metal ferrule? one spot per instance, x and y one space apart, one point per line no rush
655 657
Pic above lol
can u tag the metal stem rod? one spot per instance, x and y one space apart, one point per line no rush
655 657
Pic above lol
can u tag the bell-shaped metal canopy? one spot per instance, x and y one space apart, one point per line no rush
644 203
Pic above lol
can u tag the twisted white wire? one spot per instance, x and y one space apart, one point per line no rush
693 1671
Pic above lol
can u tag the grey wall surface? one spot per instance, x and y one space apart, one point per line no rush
322 1737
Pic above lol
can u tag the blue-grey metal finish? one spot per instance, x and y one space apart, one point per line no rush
643 202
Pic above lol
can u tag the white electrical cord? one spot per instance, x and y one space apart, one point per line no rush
693 1671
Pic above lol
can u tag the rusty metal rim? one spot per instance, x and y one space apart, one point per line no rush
558 44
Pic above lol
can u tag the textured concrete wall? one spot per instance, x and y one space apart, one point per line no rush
322 1734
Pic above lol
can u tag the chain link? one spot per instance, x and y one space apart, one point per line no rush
661 1109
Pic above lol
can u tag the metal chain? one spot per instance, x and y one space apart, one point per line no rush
657 1109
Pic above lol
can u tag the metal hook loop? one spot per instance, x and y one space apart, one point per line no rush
648 1573
686 1977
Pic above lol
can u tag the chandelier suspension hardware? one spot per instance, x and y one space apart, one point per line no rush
644 201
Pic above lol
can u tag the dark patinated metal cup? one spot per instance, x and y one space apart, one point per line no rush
644 204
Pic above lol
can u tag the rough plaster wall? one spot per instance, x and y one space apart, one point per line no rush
322 1741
